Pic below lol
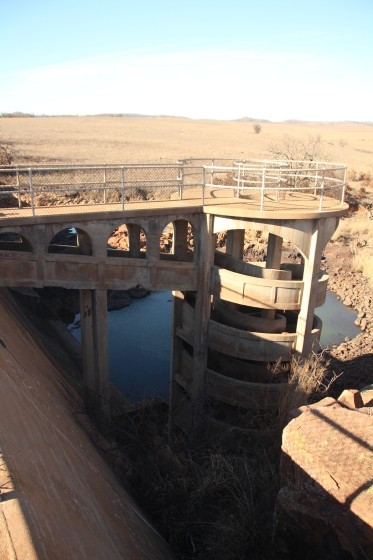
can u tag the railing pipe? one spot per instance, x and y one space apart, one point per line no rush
262 189
203 185
31 191
316 178
105 185
122 179
322 191
238 180
344 185
181 180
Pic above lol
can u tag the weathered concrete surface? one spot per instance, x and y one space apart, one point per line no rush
59 499
324 509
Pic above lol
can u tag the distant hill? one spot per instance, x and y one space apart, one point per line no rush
20 114
251 120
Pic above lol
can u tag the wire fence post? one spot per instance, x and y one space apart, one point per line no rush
19 189
212 170
180 179
31 191
262 189
239 181
316 178
122 187
104 185
322 190
203 184
344 186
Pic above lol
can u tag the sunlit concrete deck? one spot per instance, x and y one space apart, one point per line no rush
222 202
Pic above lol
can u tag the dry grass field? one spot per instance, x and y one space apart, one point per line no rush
159 139
117 139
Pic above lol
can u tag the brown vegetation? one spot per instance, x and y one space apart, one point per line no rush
135 139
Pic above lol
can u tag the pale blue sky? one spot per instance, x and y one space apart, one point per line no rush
202 59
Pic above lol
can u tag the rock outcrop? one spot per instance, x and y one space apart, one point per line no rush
324 509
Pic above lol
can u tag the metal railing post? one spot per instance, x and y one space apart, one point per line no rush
19 189
122 187
239 180
212 170
31 191
322 191
262 189
181 180
105 185
344 186
316 178
203 185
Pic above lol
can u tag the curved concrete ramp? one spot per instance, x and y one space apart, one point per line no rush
59 499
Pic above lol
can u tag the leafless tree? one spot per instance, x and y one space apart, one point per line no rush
293 148
6 155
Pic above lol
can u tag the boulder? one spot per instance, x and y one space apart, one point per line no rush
324 509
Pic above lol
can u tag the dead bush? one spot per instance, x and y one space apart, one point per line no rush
208 503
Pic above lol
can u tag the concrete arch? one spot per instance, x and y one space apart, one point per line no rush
14 241
127 240
71 240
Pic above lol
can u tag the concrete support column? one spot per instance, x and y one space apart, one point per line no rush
178 397
202 310
180 241
93 317
235 242
84 242
134 239
274 250
310 282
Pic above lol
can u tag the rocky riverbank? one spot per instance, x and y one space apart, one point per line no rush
353 359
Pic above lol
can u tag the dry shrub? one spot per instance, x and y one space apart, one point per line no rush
6 154
308 379
354 228
358 233
361 177
208 503
363 262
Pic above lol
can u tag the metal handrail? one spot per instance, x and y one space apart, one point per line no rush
243 176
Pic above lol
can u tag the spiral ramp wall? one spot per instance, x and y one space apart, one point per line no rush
252 326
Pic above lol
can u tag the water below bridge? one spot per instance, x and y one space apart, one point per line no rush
140 341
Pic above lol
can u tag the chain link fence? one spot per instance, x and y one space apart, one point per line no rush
191 181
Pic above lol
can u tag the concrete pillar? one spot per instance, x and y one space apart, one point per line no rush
274 250
235 242
180 241
186 409
93 317
202 309
178 397
310 281
134 239
84 242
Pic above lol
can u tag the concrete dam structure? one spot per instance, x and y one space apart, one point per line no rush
231 317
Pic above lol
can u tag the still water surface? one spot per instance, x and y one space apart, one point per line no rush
140 341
